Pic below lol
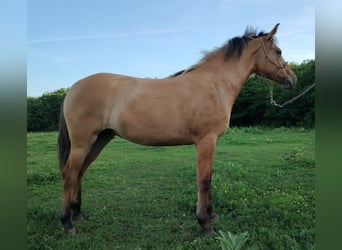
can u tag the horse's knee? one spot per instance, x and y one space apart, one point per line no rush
204 184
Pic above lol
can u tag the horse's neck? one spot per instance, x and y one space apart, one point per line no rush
233 72
230 75
236 72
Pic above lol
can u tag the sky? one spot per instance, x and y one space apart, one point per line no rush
71 39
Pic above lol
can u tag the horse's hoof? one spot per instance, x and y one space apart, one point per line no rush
79 217
70 231
214 217
209 232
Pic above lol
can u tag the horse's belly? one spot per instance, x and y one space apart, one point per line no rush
152 128
154 134
157 141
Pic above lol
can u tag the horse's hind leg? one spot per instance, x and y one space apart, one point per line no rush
102 140
70 180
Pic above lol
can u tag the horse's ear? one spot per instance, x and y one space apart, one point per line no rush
271 34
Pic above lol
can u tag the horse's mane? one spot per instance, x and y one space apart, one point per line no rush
232 48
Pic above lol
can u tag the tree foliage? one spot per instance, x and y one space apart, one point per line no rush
43 112
252 107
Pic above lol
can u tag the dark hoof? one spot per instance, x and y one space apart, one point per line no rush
207 229
209 232
70 231
214 217
79 217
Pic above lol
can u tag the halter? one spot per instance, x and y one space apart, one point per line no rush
270 85
268 59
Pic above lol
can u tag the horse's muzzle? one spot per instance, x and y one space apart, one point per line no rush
289 83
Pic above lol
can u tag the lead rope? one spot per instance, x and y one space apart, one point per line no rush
271 84
274 103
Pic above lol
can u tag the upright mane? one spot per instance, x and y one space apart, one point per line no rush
232 48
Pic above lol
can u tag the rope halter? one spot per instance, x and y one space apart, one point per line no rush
268 59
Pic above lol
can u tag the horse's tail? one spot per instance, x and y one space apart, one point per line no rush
63 141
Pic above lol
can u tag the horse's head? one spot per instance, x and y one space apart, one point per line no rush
269 62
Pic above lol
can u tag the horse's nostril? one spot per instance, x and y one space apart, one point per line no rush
288 83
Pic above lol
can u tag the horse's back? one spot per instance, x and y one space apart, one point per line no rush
97 84
95 89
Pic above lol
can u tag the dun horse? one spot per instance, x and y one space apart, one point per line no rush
192 106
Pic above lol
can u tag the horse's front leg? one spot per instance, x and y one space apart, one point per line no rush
205 152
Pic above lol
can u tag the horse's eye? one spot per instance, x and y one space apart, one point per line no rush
279 52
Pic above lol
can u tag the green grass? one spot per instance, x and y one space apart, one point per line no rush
137 197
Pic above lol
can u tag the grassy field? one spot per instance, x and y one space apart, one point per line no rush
138 197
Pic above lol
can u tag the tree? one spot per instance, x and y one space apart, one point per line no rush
36 115
43 112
